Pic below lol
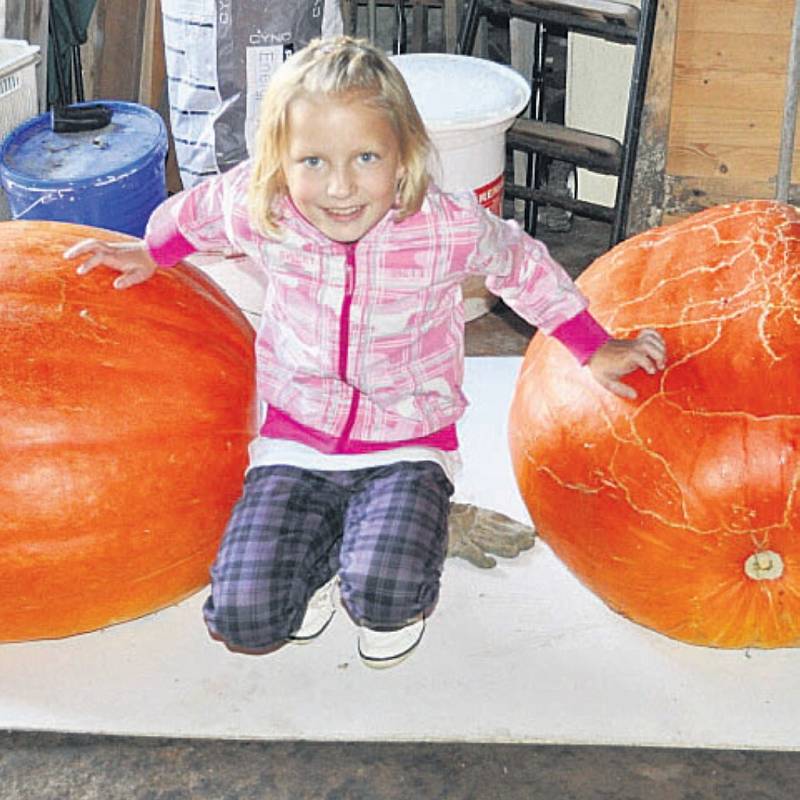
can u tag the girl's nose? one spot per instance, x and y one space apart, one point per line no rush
341 183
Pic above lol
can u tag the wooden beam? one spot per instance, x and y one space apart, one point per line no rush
118 49
648 190
153 72
419 29
687 195
450 24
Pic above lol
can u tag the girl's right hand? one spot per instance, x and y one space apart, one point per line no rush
132 259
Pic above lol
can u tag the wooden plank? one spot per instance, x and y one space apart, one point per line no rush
419 27
13 18
36 32
686 195
746 163
647 192
450 24
153 83
153 72
118 52
737 126
88 53
752 17
725 51
725 89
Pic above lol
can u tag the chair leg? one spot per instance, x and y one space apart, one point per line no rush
633 119
475 14
469 27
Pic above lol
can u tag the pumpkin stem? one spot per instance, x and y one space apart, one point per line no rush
764 565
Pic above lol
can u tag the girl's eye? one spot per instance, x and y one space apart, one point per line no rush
367 158
312 161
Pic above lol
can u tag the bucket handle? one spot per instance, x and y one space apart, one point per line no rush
77 118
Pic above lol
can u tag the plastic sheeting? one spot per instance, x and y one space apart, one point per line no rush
220 55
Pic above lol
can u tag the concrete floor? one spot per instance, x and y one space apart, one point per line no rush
60 767
52 766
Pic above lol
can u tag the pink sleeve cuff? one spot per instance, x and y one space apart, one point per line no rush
166 243
582 335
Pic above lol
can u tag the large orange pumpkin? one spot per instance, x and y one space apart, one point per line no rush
681 509
124 422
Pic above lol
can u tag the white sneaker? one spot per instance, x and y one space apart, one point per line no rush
381 649
319 613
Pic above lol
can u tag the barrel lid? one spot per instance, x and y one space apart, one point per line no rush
33 152
455 91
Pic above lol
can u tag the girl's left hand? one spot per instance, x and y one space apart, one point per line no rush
619 357
132 259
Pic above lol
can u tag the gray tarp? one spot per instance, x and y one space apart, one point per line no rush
220 55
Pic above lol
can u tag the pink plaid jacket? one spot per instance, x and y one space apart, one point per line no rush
365 342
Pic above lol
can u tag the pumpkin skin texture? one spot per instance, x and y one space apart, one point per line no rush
680 509
124 422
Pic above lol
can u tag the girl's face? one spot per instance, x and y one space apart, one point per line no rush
341 164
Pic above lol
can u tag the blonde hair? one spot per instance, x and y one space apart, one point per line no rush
337 66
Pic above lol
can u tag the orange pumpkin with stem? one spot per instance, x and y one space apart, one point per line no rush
681 509
124 423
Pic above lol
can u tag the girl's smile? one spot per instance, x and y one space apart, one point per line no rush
342 164
344 215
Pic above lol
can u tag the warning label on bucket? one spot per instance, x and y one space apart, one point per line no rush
491 195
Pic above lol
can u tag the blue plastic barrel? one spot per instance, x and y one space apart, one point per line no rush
111 177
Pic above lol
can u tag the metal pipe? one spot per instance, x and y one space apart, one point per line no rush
789 112
401 36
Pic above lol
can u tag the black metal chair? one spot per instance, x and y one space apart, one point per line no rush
610 20
417 39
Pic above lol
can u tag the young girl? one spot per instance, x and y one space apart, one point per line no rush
360 351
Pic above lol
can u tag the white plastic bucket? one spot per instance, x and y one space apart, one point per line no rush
467 105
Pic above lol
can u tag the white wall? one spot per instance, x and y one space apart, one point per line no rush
598 79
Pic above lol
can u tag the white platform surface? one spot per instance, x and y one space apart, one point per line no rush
518 653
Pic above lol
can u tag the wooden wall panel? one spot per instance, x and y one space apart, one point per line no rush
707 51
723 89
728 94
705 161
743 127
647 192
732 17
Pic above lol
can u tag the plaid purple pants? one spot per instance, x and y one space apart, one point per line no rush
383 529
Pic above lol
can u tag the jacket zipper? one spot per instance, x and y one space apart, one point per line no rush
344 336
